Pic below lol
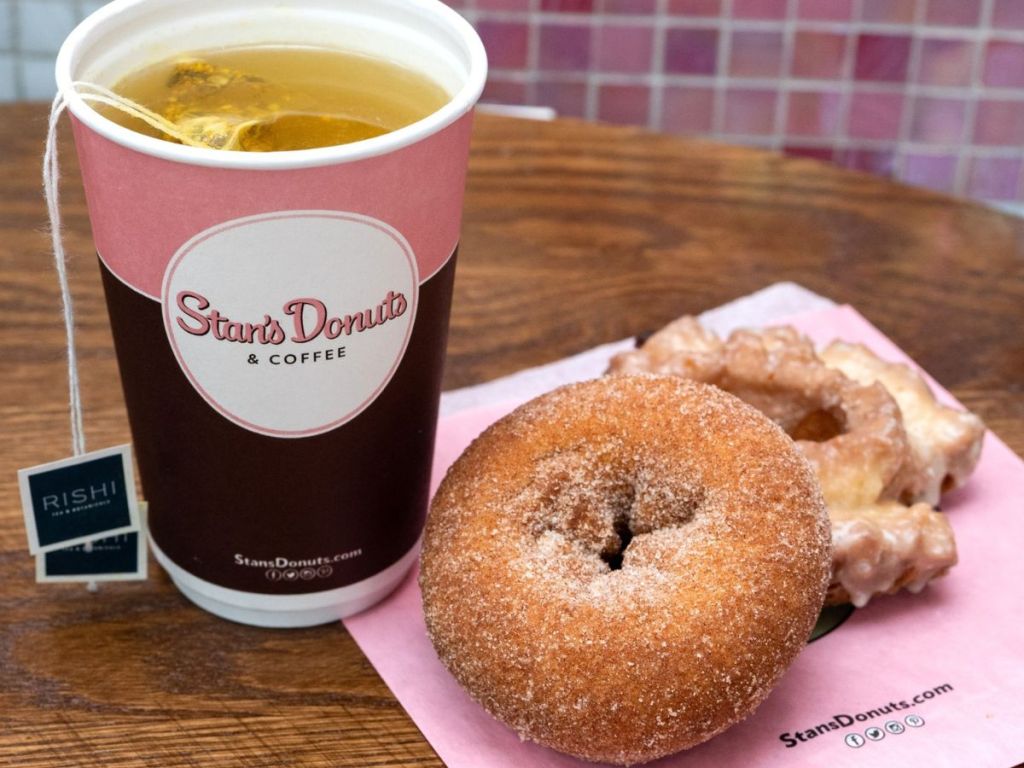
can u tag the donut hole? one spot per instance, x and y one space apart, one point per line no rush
570 498
614 554
602 504
819 425
802 415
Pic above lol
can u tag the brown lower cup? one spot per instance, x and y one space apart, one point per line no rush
279 503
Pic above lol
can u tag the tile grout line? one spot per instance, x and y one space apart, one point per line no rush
909 99
6 8
469 12
848 81
14 17
1019 195
555 18
656 107
532 55
781 116
591 92
791 83
721 80
964 157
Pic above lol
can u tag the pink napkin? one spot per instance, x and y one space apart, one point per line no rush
954 655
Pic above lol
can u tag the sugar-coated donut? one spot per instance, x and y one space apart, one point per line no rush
623 568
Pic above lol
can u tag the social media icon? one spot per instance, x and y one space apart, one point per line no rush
291 575
875 734
894 727
273 574
914 721
324 571
854 740
307 574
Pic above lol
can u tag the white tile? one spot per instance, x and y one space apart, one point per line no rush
37 79
43 24
8 86
92 5
6 31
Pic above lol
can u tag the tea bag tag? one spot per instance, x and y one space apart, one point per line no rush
77 510
122 557
79 499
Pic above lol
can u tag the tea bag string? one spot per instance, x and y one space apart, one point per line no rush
196 137
51 189
97 94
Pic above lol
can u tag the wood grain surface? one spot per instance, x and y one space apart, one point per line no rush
575 234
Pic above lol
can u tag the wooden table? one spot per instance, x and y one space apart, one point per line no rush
575 234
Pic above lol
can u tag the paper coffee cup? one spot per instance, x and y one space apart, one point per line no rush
279 318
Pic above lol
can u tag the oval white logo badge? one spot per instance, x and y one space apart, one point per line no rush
290 324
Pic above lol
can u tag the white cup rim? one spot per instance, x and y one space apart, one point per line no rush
460 103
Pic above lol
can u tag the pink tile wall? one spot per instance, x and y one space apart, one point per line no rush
928 91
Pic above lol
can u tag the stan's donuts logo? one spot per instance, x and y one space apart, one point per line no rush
309 320
290 324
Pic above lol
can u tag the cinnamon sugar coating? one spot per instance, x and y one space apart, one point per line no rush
623 568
